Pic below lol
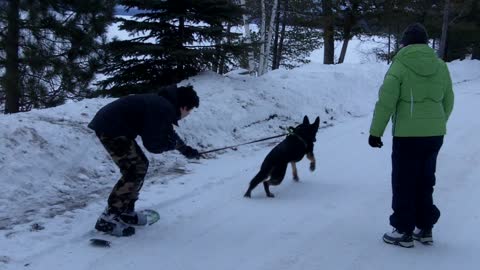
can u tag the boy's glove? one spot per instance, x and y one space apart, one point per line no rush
375 141
189 152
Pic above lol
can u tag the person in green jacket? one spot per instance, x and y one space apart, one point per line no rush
417 95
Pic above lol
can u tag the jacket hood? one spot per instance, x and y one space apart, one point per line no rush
419 58
170 94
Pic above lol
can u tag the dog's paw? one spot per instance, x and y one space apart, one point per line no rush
295 178
270 195
312 167
247 195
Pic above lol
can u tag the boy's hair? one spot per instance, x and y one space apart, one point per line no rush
183 96
187 97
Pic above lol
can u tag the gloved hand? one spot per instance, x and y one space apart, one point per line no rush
375 141
189 152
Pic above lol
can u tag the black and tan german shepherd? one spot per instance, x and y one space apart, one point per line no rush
291 150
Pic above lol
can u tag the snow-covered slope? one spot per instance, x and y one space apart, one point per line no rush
55 176
51 162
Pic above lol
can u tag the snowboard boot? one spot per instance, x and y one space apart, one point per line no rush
398 238
134 218
423 236
112 224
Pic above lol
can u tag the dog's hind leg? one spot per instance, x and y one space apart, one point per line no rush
294 171
276 177
261 176
266 186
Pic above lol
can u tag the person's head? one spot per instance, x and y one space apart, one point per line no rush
184 98
187 99
414 34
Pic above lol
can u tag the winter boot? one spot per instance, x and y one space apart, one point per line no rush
112 224
134 218
398 238
423 236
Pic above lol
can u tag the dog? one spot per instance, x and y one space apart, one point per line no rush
291 150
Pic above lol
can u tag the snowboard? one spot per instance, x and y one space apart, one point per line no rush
152 218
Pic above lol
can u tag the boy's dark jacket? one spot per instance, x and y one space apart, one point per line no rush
147 115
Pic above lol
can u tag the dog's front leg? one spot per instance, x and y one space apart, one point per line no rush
311 157
294 171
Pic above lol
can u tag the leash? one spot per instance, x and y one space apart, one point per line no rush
233 146
290 133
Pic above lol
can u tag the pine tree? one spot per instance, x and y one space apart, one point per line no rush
463 30
171 40
50 50
461 26
390 17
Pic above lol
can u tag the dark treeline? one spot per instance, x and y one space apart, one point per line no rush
52 51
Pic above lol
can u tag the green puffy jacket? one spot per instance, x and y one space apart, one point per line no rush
417 93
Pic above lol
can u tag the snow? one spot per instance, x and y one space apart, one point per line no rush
55 178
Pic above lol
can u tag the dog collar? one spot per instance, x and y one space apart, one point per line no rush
291 132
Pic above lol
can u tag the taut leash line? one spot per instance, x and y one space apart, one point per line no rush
233 146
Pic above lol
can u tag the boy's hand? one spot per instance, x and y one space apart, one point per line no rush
189 152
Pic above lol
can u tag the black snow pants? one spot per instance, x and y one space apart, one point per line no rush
414 162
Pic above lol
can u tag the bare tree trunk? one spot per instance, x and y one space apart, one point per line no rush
262 39
328 32
12 69
223 56
246 26
216 62
347 33
343 52
275 40
350 21
443 38
269 37
398 36
218 65
181 65
389 44
476 52
282 34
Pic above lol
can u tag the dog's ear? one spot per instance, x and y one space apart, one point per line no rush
305 120
316 124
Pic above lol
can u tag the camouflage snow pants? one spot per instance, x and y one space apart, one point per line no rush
133 165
